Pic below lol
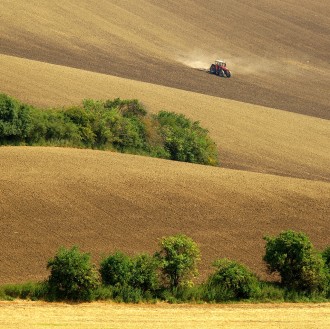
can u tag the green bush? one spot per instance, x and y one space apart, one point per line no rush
178 257
216 294
127 294
184 294
232 281
144 273
128 108
121 125
15 121
72 276
326 257
116 269
29 290
38 131
291 254
138 274
270 292
185 140
103 293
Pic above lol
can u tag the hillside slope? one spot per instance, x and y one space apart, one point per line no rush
248 137
278 51
105 201
58 53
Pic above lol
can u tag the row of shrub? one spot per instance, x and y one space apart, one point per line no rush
118 125
169 275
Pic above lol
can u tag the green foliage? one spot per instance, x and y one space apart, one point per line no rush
144 274
15 122
137 279
116 269
129 280
121 125
72 276
128 108
233 281
292 255
326 257
183 294
178 258
270 292
29 290
185 140
127 294
139 272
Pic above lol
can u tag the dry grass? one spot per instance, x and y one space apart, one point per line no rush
106 315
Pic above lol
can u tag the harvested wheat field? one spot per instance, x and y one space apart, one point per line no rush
105 315
270 122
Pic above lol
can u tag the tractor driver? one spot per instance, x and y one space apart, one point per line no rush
217 67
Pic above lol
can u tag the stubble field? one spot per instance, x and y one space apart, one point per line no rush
38 315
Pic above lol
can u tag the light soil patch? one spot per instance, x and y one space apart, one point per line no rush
38 315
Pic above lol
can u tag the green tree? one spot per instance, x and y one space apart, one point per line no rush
116 269
291 254
144 274
235 280
72 276
178 256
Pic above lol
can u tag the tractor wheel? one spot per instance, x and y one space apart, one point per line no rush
221 74
212 69
228 74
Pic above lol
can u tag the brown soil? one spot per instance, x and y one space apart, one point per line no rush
249 137
102 201
278 52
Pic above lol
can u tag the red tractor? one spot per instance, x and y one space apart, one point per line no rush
220 68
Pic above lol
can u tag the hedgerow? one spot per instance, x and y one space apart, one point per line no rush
118 125
140 278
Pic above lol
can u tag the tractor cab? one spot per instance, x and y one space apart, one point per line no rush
220 63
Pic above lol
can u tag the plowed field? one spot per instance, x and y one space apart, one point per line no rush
103 201
270 122
278 51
